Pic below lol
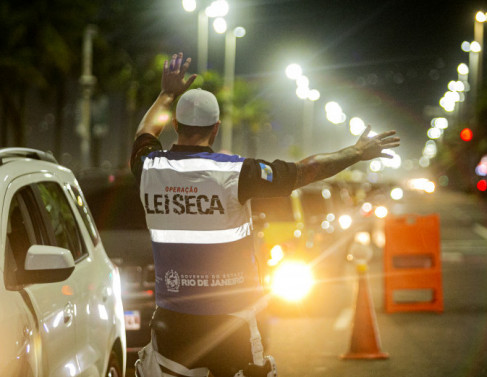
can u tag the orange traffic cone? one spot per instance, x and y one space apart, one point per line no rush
365 343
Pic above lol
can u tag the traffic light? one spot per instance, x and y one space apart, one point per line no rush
482 185
466 134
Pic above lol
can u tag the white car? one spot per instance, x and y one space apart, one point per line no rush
61 311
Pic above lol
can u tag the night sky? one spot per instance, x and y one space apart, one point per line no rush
384 61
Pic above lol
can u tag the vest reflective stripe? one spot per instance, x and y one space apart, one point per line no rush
191 164
201 237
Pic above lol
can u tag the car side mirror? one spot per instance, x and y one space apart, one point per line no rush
48 264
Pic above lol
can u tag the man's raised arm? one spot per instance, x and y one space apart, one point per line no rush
325 165
172 86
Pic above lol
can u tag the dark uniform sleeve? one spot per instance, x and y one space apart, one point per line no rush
259 178
143 145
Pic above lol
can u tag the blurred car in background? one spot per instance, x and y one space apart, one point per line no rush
60 302
119 216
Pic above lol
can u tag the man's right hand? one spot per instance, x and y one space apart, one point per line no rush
371 147
173 83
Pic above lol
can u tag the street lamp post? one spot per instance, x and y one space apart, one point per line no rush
228 82
202 41
218 8
87 81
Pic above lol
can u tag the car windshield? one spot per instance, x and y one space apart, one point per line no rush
273 209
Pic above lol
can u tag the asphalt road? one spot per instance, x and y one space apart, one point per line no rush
452 343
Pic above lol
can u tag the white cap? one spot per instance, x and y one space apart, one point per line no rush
197 107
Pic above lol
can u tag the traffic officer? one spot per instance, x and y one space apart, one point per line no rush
197 205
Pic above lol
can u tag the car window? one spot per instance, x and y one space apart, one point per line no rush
61 218
84 212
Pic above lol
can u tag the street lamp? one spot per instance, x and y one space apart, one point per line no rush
228 82
309 96
218 8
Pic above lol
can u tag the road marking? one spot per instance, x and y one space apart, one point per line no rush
480 230
344 320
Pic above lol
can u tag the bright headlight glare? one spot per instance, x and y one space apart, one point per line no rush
292 281
345 221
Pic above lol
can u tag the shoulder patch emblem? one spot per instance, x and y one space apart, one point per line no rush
265 172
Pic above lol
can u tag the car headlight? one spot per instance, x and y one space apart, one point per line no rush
292 280
276 255
345 221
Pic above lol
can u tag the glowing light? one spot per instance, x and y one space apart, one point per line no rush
376 166
297 233
325 224
475 46
293 71
434 133
218 8
381 212
326 193
482 185
429 187
362 238
330 217
189 5
302 92
424 161
314 95
334 113
441 123
345 221
465 46
220 25
466 134
292 281
302 81
366 208
357 126
462 69
277 254
397 193
430 149
239 32
480 16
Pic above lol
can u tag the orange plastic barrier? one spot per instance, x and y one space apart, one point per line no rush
412 264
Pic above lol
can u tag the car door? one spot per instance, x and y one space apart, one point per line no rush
54 304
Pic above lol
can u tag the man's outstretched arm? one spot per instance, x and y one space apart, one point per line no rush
172 86
325 165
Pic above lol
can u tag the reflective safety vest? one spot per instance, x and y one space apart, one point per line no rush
201 234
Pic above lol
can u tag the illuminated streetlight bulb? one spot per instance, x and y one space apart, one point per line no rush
314 95
302 81
475 46
441 123
462 69
189 5
293 71
218 8
302 92
480 16
239 32
220 25
465 46
357 126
